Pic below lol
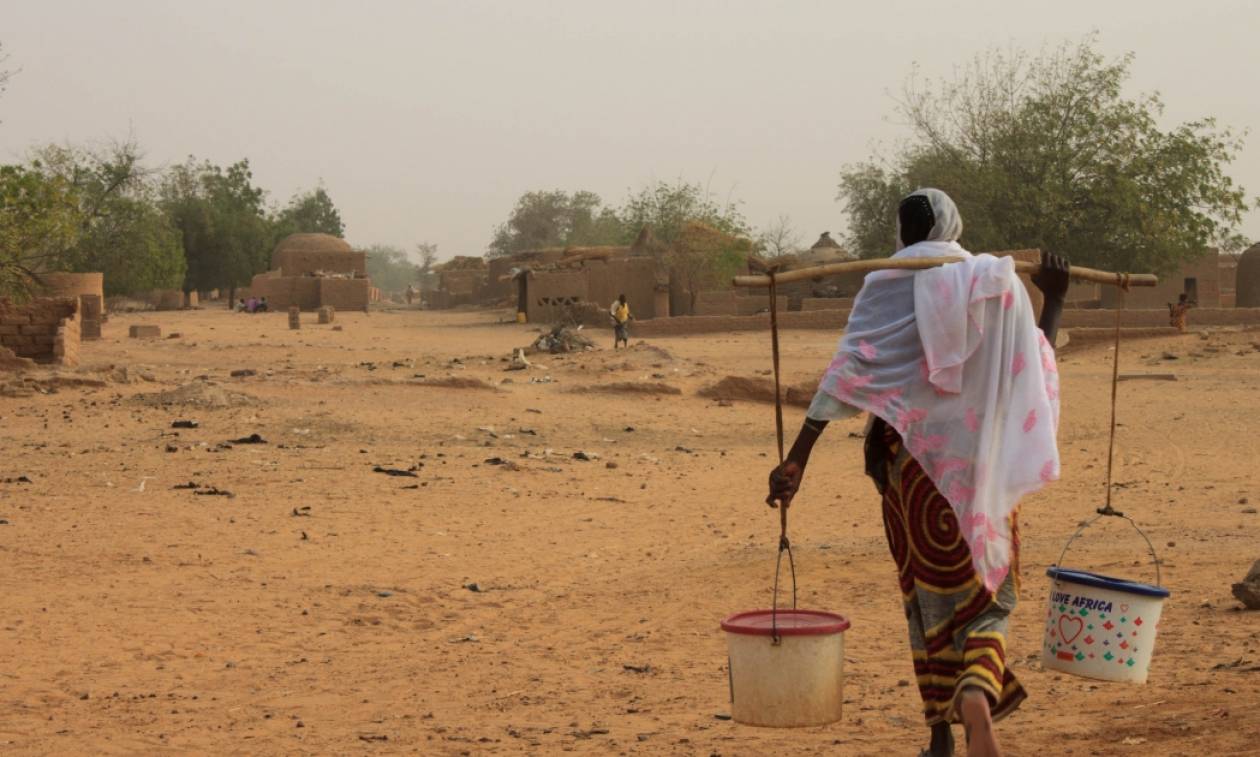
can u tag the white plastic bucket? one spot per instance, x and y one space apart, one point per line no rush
1100 627
786 667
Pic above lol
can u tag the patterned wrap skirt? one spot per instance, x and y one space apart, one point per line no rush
957 626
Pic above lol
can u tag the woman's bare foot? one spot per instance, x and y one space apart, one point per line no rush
973 706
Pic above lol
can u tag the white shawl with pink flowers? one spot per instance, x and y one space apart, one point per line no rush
952 358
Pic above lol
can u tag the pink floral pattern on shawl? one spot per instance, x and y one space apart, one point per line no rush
946 356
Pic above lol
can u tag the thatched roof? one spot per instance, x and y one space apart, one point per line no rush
825 241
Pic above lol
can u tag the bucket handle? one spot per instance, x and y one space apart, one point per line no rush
1108 511
784 546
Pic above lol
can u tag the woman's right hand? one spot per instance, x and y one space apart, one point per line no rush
785 481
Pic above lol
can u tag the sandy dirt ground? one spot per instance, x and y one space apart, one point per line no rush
550 604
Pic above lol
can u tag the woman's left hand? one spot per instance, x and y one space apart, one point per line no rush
1054 276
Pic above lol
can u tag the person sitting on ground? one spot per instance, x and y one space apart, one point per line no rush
620 312
240 306
962 389
251 305
1177 313
262 305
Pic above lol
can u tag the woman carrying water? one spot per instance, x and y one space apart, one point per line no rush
962 388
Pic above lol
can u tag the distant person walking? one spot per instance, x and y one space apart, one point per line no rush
1177 313
620 312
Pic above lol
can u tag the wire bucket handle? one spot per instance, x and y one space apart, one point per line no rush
784 544
1109 512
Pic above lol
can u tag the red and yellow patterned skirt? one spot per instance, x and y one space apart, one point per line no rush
957 626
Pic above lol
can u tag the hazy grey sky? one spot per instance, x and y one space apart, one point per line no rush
426 120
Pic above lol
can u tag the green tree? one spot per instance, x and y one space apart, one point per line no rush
668 208
390 269
427 252
703 257
310 212
40 217
1046 151
122 232
222 223
556 219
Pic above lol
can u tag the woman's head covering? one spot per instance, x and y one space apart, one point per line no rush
927 215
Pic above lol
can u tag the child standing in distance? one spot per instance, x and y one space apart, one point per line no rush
620 312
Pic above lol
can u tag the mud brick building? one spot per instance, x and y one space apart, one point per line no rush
310 271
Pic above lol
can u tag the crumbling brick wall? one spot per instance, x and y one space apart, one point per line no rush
45 330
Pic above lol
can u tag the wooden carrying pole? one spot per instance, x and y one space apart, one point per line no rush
916 264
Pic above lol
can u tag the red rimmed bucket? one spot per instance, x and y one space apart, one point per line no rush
786 667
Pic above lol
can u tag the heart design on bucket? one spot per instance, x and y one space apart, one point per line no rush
1124 608
1065 623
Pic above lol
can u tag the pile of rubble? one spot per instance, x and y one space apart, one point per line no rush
561 339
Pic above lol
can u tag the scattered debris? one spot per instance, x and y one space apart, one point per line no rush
251 439
214 491
585 456
474 587
244 373
519 362
395 472
189 485
302 512
561 339
185 424
1247 591
17 480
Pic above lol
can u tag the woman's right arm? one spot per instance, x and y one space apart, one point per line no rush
785 480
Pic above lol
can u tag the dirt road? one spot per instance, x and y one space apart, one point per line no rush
497 595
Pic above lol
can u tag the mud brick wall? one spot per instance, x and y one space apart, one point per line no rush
756 303
299 262
1206 272
635 277
720 302
711 324
1155 318
547 294
285 292
827 303
45 330
344 294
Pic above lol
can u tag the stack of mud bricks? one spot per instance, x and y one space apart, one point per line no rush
91 313
295 317
45 330
145 331
327 314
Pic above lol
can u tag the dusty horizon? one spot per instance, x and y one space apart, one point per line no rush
426 122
